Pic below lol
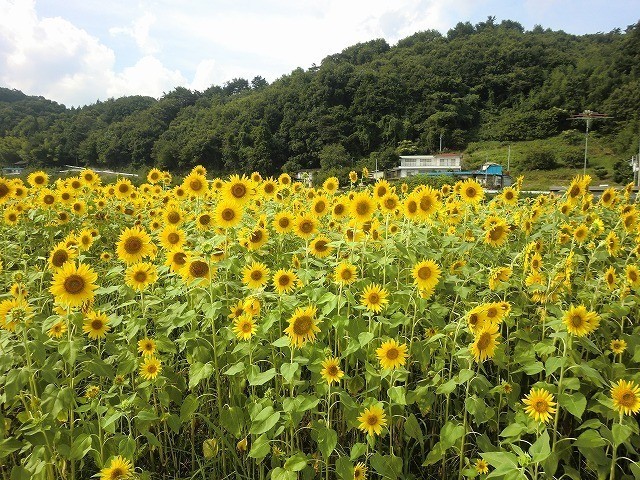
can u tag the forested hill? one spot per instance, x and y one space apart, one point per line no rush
487 81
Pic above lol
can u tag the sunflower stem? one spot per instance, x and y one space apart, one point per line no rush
557 416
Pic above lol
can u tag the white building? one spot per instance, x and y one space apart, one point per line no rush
423 164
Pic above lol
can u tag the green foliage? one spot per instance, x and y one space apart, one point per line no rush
540 159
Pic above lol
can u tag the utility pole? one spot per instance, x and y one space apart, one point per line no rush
441 134
509 159
588 116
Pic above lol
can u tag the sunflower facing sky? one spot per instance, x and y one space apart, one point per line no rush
133 245
579 321
331 371
426 274
119 468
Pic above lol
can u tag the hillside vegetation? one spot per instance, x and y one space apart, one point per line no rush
480 86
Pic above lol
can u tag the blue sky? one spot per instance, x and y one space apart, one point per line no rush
78 51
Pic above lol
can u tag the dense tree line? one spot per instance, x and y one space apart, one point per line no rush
489 81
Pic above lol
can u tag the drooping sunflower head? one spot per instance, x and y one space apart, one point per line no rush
14 312
360 471
197 270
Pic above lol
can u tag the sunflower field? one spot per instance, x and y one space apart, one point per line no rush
251 328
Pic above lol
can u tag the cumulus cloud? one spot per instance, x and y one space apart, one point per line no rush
139 31
54 58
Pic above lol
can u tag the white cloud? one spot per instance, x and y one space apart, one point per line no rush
147 77
140 32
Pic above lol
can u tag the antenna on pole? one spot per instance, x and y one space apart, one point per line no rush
588 116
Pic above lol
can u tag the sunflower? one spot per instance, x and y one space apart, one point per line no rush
133 245
331 371
244 327
576 190
626 397
172 237
484 345
353 176
47 198
539 405
251 305
255 275
499 276
320 206
6 190
360 471
427 202
237 190
18 290
204 221
381 188
481 466
330 185
57 329
618 346
197 270
38 179
372 420
581 233
345 273
14 311
95 325
147 346
173 215
410 207
227 214
362 207
476 319
123 188
497 234
269 188
256 238
608 197
471 191
319 247
426 274
306 226
389 203
391 354
150 368
302 326
613 243
154 176
60 255
140 275
509 196
610 278
284 179
633 276
579 321
195 184
374 297
11 216
176 259
72 286
119 469
283 222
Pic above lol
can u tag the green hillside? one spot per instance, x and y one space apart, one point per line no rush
481 87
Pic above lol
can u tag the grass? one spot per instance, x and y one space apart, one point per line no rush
568 147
